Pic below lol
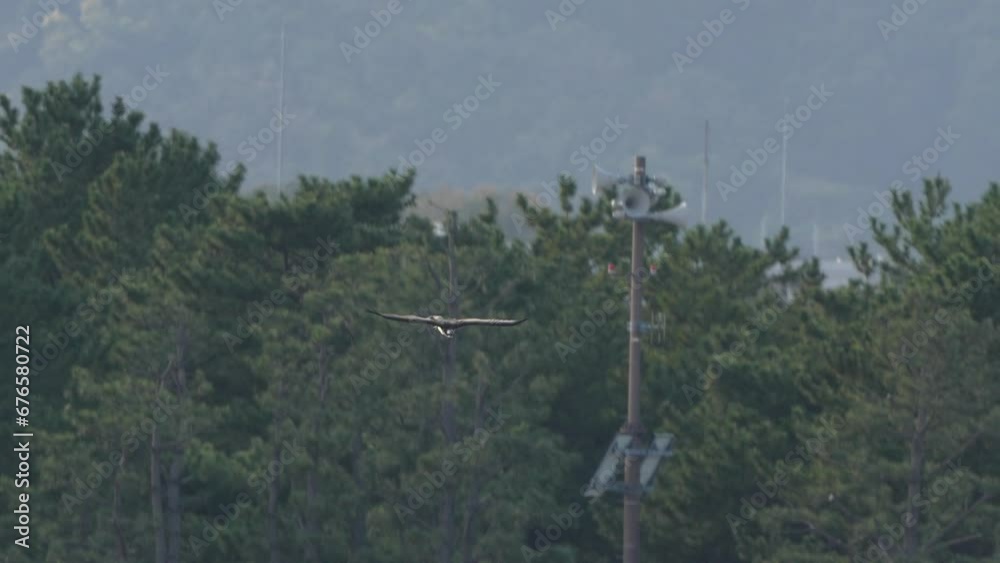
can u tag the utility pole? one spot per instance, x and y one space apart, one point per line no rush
634 204
633 426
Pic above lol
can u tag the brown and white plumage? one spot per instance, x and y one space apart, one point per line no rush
446 326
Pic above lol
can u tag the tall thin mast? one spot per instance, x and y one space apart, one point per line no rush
281 107
704 180
784 167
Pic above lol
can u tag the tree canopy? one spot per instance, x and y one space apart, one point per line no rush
207 385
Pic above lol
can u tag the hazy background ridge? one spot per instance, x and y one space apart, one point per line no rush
557 88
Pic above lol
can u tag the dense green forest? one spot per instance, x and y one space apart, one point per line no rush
206 385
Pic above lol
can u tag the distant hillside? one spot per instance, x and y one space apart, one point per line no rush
363 104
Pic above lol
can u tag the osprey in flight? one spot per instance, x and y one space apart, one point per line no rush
447 327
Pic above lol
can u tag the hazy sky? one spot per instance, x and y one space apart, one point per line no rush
540 79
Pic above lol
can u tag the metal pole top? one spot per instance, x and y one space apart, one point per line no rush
640 171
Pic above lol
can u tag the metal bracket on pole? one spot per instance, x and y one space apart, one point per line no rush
604 478
647 452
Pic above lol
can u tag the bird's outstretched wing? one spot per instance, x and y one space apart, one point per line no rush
484 322
402 318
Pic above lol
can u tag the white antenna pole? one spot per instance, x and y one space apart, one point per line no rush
763 231
784 166
281 106
815 239
704 180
